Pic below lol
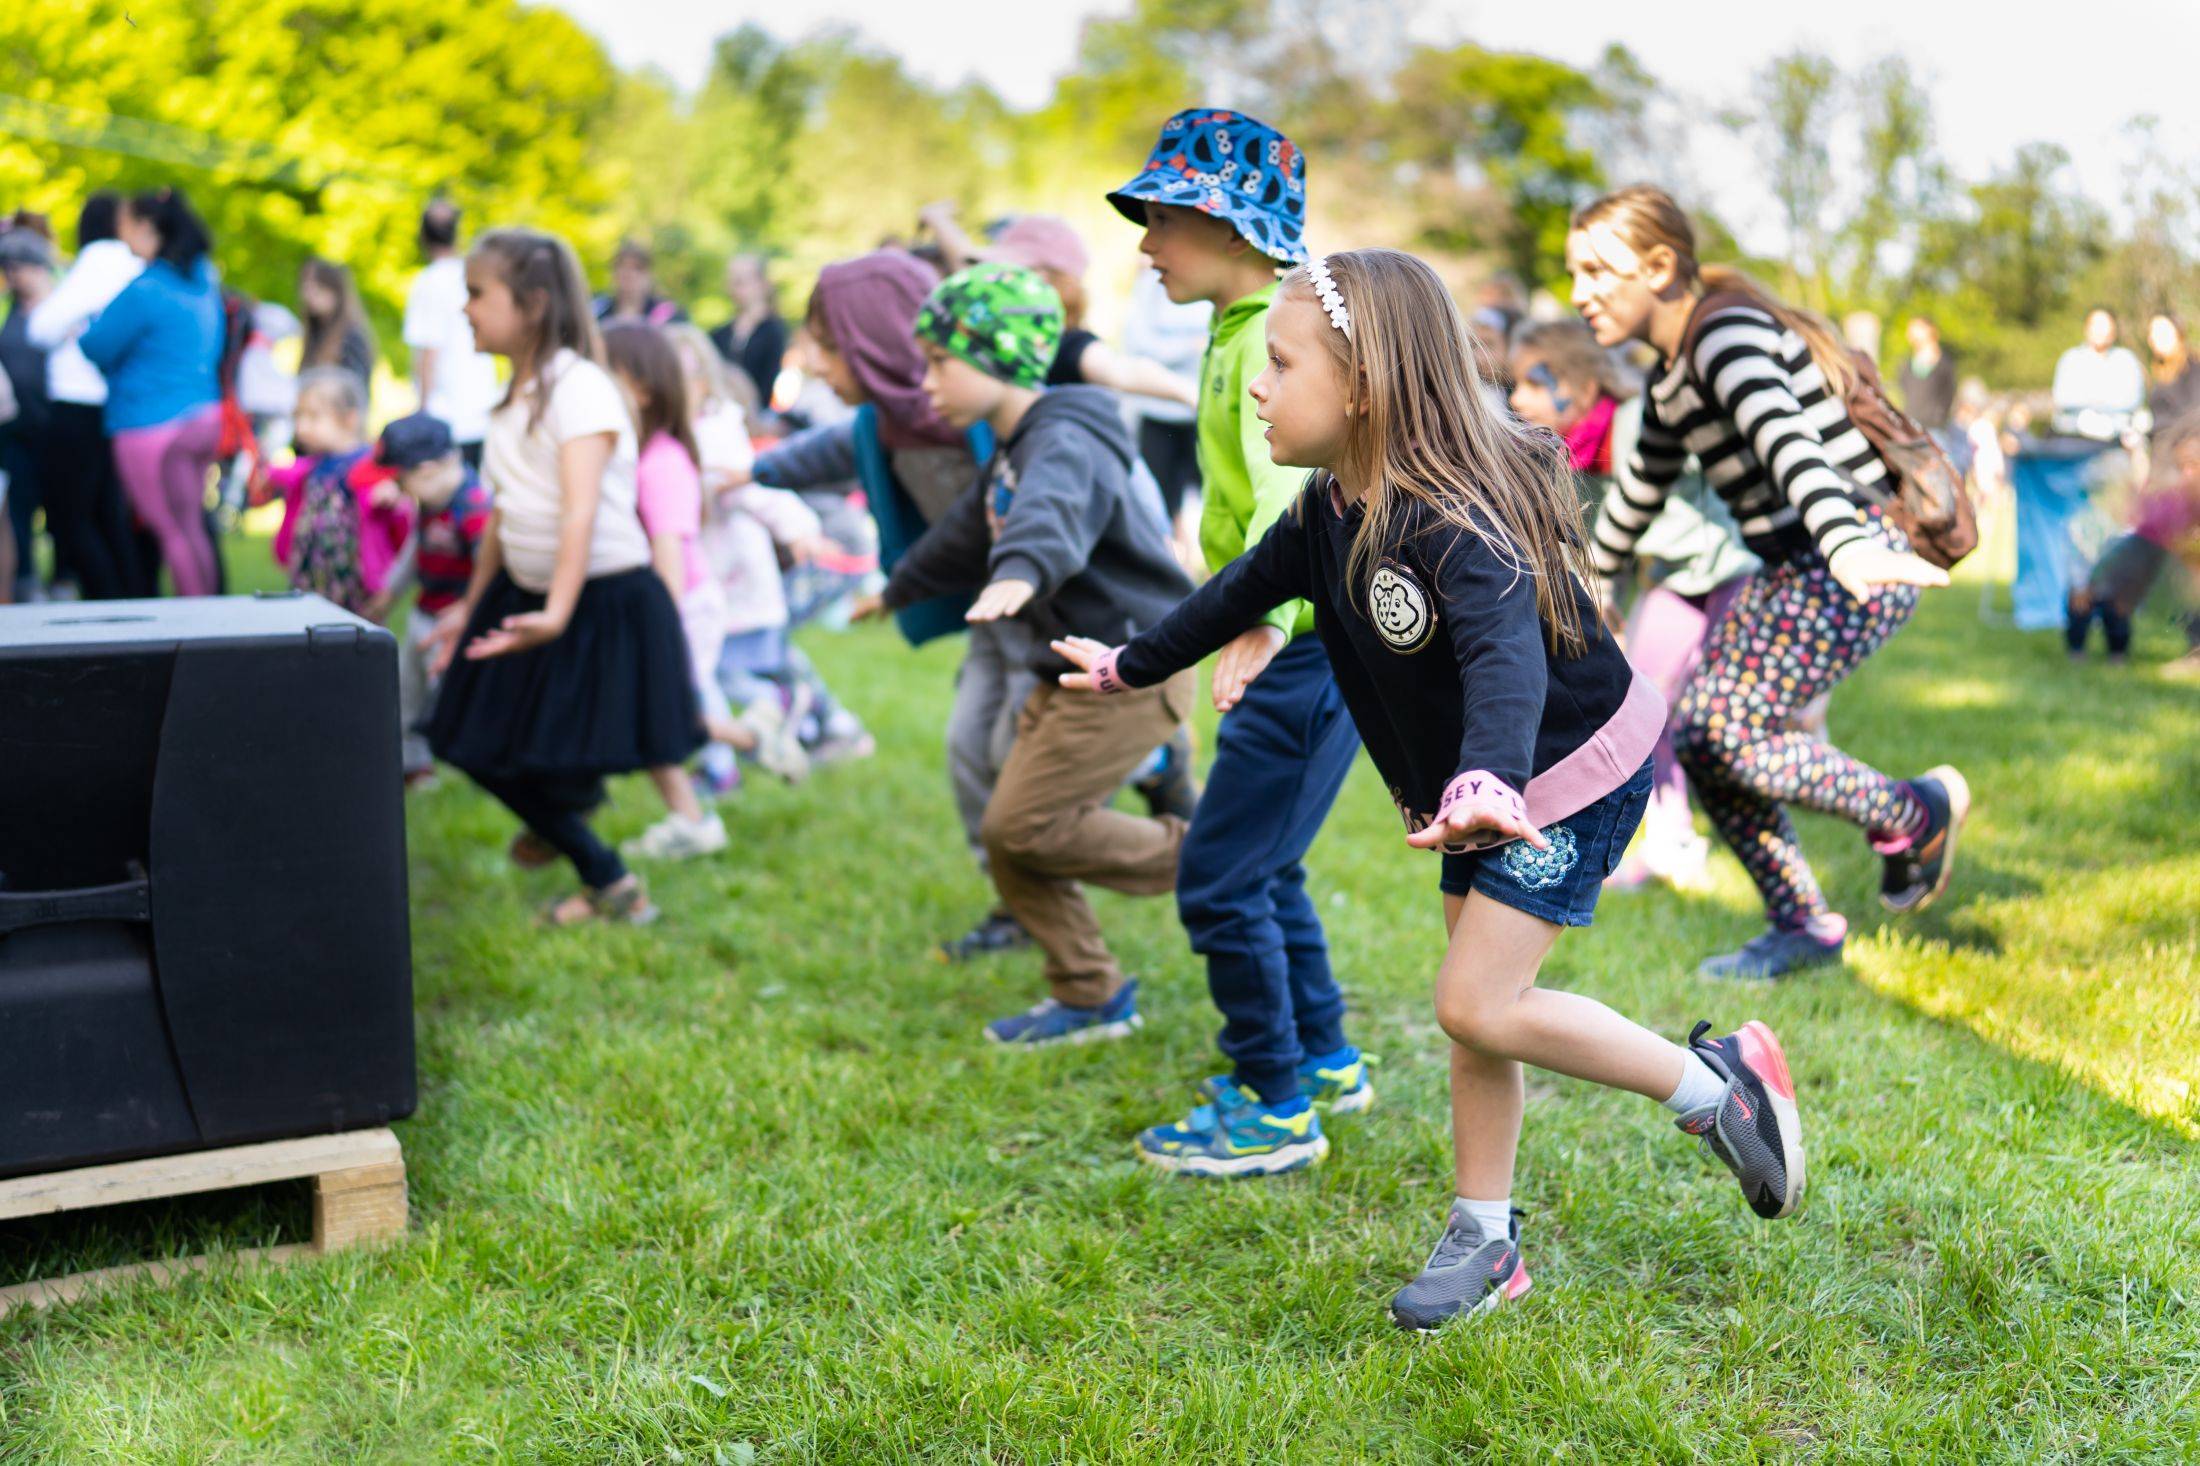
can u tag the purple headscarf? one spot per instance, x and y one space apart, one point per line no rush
869 309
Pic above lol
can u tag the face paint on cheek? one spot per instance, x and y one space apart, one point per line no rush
1612 250
1542 375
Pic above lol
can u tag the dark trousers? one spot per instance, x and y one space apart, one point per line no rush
91 527
556 807
19 461
2115 625
1171 451
1280 758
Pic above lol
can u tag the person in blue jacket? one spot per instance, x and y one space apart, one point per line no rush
159 346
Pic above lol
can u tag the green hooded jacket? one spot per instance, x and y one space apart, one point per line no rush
1242 490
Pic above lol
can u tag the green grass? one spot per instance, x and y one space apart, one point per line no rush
745 1186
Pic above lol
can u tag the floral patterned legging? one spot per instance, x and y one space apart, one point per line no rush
1792 634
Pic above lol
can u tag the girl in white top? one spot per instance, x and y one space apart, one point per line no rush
573 664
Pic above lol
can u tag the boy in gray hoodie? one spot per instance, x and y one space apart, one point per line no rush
1065 532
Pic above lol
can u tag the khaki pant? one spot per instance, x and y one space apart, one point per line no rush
1048 825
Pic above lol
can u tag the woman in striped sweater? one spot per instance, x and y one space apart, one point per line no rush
1754 390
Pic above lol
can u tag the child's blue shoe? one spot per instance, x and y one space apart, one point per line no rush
1337 1083
1234 1134
1053 1022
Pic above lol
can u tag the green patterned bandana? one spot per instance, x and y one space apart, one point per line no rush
1004 320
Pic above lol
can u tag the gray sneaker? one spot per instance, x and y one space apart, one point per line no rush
1466 1274
1755 1127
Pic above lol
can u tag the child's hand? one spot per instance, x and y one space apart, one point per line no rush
1479 809
867 607
1097 661
378 608
1863 567
812 548
1001 598
1241 661
521 633
386 495
450 624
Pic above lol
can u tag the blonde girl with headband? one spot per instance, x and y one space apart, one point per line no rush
1436 539
1754 389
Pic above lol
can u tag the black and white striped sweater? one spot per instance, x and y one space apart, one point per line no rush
1768 405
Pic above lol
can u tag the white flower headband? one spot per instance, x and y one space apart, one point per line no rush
1325 291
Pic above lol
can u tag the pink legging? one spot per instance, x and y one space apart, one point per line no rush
163 473
1665 639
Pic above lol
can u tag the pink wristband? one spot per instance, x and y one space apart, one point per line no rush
1104 676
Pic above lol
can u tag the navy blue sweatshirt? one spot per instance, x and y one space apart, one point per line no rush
1441 658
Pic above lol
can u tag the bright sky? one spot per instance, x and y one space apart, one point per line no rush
2000 76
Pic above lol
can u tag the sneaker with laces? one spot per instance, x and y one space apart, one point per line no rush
1232 1134
1918 867
996 932
1755 1128
1052 1022
677 838
1337 1083
1774 954
1468 1273
1172 788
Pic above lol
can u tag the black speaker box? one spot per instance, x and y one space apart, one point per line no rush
203 936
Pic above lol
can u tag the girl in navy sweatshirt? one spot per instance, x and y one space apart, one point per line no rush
1438 544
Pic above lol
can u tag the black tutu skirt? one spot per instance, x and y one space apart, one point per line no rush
613 694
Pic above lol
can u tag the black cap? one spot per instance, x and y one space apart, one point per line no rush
411 441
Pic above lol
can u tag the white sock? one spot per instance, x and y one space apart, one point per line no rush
1493 1217
1700 1086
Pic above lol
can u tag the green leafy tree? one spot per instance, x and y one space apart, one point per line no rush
307 126
1489 138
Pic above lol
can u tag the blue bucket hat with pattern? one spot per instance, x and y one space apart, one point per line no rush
1234 167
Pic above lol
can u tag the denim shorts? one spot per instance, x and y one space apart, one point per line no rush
1559 885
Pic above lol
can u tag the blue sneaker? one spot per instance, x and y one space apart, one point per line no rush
1053 1022
1337 1083
1773 955
1234 1134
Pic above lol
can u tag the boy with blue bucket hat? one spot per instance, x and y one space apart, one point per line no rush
1223 201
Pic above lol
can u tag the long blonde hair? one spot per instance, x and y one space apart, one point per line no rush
1645 218
1429 436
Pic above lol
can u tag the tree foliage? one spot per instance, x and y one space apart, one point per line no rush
321 126
309 126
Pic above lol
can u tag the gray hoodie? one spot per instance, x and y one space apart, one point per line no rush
1066 505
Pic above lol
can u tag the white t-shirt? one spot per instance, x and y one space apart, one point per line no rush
465 379
97 276
521 465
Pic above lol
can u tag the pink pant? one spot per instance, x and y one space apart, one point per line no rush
164 473
1665 642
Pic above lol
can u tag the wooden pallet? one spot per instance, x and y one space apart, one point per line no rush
358 1197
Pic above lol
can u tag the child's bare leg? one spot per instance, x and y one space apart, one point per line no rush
734 735
1498 1020
678 794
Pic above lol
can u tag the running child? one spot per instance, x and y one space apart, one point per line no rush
1438 542
1063 534
746 528
1564 380
1223 201
574 664
668 491
1755 390
912 465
